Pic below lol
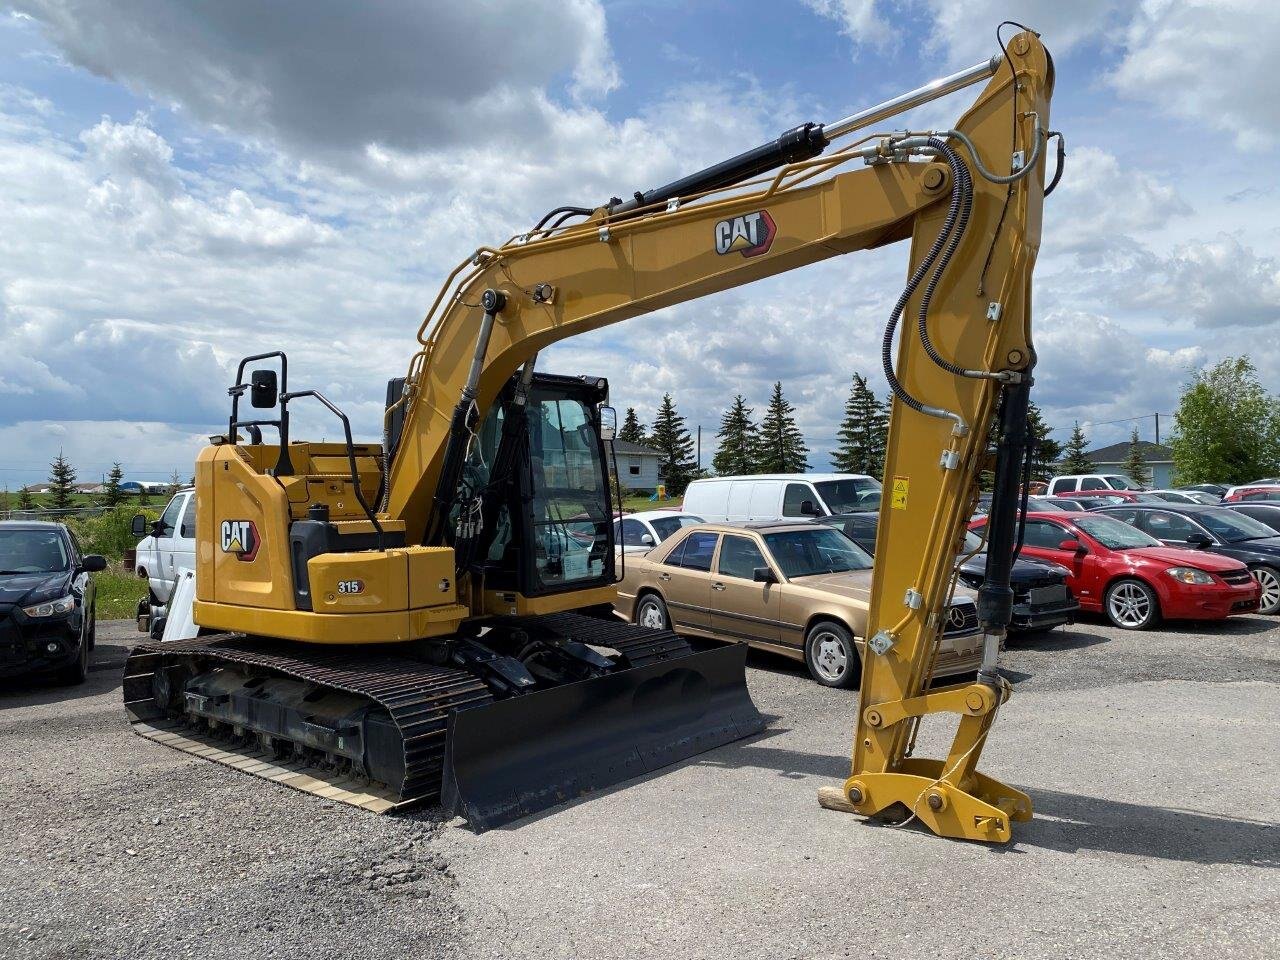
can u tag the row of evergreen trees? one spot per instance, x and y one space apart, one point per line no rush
777 445
62 489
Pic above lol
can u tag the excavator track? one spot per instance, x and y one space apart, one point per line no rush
418 697
383 730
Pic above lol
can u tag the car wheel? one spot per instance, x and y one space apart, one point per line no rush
1131 605
651 612
831 655
1269 580
75 674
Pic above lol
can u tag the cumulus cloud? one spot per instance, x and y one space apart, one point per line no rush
1217 283
329 79
1209 63
859 20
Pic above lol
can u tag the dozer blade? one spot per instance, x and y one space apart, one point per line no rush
510 758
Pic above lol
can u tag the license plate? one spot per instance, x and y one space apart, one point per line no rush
1040 596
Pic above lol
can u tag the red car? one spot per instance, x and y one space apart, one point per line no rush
1252 494
1112 496
1131 577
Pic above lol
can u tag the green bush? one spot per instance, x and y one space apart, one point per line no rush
110 532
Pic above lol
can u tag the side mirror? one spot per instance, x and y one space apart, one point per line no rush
138 527
807 509
1073 546
93 563
608 423
1200 540
763 575
264 392
646 539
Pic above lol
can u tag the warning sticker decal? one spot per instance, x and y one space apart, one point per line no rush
899 497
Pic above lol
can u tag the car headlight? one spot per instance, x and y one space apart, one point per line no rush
1189 575
51 608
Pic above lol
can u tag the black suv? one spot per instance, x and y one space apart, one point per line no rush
1217 530
1041 597
47 610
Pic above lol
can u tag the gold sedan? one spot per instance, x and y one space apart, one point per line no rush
798 589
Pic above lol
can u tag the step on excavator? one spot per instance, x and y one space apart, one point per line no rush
412 621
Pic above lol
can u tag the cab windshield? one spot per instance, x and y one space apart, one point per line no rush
32 551
1113 534
807 553
849 494
1231 527
1121 483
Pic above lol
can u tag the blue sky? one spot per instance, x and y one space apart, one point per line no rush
180 190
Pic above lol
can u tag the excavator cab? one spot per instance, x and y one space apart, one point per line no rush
537 474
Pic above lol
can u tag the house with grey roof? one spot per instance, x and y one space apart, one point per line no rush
637 466
1157 457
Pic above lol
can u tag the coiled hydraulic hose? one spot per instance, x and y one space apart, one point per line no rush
935 146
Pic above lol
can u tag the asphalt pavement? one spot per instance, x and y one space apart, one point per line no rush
1151 759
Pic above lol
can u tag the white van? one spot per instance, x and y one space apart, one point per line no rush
774 496
1084 482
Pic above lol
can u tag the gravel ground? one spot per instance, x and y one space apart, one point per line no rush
1151 759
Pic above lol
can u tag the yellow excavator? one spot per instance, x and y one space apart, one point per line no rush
411 621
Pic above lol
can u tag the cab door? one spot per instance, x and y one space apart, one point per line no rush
685 580
184 539
1042 539
166 529
742 609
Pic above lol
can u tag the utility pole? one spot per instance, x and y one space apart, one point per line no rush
1157 429
699 448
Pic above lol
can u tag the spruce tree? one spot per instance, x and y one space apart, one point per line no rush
632 429
5 503
62 482
1074 458
111 491
670 438
862 433
1046 451
782 446
1134 467
25 502
738 441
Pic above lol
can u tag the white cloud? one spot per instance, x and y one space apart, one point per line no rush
858 19
965 29
1217 283
1211 63
328 82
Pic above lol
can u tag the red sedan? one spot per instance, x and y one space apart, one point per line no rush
1252 494
1135 580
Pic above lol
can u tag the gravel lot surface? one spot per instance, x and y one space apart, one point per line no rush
1151 759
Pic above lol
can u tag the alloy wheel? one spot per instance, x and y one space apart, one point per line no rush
1129 604
1269 581
830 658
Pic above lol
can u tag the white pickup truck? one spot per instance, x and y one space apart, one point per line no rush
169 547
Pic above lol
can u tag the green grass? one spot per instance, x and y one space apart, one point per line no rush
118 592
636 504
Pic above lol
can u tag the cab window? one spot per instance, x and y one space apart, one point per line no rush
739 557
1045 535
169 519
795 495
1168 526
633 532
698 549
1064 485
1093 483
188 526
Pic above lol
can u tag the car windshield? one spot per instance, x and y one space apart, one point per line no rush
806 553
32 551
666 526
850 494
1149 498
1229 526
1121 483
1114 534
